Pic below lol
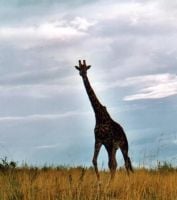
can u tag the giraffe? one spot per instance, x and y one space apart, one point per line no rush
107 132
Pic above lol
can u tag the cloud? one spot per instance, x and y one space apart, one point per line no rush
39 83
82 23
41 117
154 86
50 89
34 91
29 13
21 3
41 32
36 76
50 146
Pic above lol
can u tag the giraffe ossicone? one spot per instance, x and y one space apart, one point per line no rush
82 67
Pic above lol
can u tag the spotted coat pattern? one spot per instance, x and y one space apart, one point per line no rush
107 132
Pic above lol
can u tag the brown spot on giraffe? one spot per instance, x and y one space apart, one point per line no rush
107 132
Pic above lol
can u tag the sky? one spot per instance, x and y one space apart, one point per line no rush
45 114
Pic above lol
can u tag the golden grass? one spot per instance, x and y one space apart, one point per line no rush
80 184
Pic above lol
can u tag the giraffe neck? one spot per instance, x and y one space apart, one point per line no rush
92 96
101 114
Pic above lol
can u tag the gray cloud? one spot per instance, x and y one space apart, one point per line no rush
40 117
31 77
155 86
35 12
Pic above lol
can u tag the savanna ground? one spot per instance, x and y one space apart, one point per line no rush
78 183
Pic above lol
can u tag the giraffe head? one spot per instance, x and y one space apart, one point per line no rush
82 68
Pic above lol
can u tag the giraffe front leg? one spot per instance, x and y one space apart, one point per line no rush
95 156
113 163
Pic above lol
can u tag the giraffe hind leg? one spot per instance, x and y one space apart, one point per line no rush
112 163
127 160
112 166
128 165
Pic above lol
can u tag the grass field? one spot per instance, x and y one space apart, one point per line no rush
49 183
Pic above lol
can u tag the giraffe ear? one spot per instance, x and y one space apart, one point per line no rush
88 67
77 68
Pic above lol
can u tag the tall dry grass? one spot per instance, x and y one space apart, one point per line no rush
80 184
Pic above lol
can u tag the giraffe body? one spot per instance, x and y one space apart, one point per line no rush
107 132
